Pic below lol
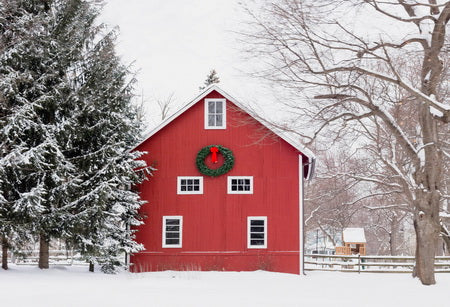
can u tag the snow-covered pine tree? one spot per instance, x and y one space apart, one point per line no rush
67 125
8 193
212 78
106 128
33 85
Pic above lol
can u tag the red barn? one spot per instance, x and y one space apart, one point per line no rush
223 197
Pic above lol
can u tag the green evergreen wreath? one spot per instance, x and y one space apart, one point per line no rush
225 168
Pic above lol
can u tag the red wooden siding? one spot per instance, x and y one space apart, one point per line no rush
215 223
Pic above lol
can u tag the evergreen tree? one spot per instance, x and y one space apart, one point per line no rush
36 175
106 128
67 123
212 78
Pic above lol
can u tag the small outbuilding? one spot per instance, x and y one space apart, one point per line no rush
354 242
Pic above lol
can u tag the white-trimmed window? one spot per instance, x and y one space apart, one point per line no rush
257 232
190 185
215 114
172 231
240 185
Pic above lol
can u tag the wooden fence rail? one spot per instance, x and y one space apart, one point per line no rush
60 257
369 264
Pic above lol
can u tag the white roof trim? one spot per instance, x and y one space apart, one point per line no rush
203 94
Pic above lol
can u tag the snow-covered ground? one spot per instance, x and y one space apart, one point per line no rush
74 286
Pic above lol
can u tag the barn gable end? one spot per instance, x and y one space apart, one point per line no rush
245 219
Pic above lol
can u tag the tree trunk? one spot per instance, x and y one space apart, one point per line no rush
446 238
392 244
393 236
429 171
426 225
43 251
4 253
91 266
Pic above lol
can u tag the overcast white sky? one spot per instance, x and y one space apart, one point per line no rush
176 43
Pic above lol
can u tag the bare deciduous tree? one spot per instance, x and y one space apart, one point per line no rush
140 109
330 199
165 104
389 221
351 82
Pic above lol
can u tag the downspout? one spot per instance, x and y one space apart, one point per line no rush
301 234
311 165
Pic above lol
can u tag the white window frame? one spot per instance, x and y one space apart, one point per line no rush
166 217
224 119
256 218
179 178
230 178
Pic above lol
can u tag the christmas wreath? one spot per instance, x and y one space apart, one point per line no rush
214 149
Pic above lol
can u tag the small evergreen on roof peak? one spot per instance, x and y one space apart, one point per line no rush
212 78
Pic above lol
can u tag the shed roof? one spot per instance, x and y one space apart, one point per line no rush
354 235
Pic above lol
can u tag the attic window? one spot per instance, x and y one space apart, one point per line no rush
215 114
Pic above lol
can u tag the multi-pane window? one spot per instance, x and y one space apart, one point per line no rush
257 232
172 231
190 185
240 185
215 114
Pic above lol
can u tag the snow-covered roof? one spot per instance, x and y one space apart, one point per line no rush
354 235
296 144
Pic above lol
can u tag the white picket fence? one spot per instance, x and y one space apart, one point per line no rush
369 264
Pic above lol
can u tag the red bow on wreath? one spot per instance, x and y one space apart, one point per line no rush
214 151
